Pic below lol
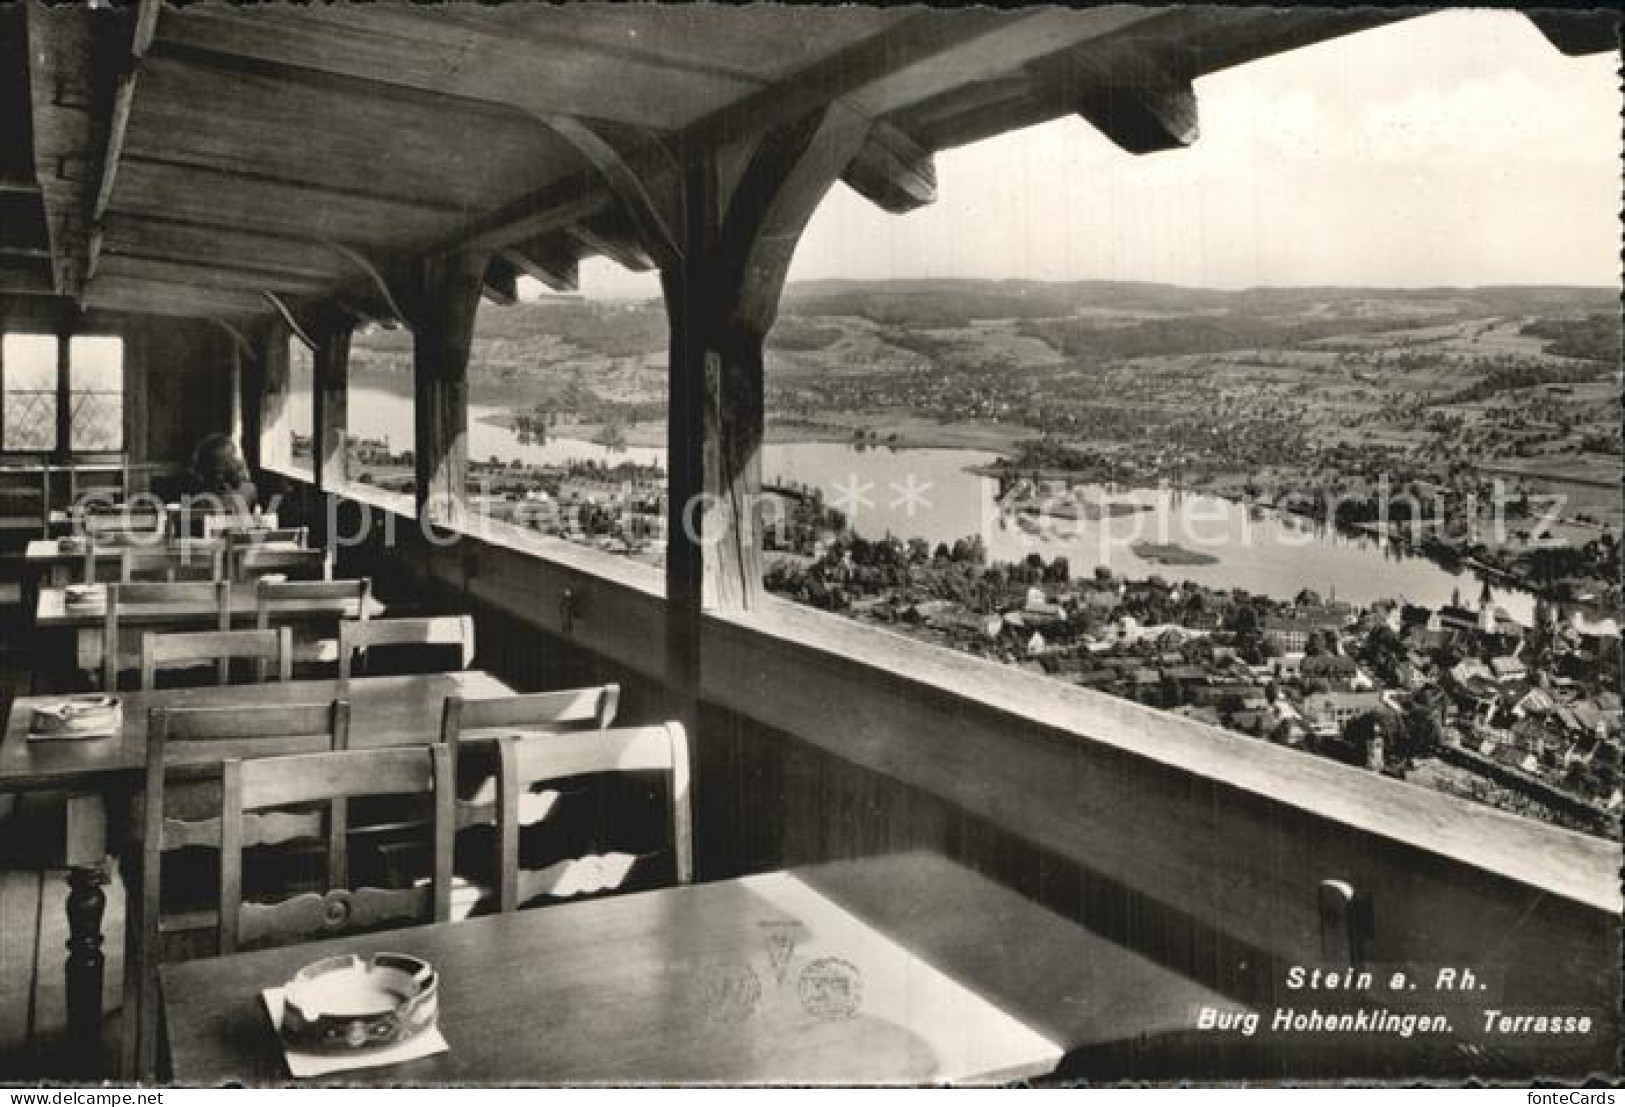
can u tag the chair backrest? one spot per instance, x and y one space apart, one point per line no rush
270 650
344 599
359 635
135 524
183 559
104 553
255 562
525 761
185 748
481 722
211 600
465 720
273 782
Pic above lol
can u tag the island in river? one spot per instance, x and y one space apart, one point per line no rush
1171 553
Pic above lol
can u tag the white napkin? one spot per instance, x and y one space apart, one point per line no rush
302 1064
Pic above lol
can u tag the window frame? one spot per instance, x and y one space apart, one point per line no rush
62 450
65 394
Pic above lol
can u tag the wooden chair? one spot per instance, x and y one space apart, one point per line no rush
182 559
527 761
470 729
436 632
211 599
257 562
104 554
181 805
268 783
331 602
266 648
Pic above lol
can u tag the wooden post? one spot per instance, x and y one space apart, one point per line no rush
331 420
64 399
234 394
722 298
446 302
683 285
275 447
250 406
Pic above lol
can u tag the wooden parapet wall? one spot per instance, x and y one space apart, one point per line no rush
822 738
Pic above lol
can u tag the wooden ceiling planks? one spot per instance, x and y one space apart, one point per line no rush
262 123
494 59
405 131
229 274
149 296
272 207
171 239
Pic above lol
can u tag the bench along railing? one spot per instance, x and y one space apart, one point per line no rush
1240 836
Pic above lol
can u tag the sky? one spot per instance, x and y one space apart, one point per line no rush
1460 148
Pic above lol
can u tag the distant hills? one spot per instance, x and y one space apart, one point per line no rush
940 302
1085 318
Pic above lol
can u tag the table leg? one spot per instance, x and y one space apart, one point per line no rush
83 970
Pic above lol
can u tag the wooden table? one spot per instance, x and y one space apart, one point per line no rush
385 711
781 978
49 564
52 612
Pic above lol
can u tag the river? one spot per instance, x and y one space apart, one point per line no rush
932 494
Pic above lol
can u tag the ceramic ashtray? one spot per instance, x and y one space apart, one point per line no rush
345 1003
77 715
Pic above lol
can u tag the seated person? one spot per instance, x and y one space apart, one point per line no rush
220 477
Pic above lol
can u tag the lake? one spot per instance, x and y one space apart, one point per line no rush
931 494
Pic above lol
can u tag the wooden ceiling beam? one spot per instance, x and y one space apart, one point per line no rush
608 238
550 259
1143 119
112 150
892 171
501 282
911 41
62 89
1578 33
375 275
652 217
